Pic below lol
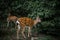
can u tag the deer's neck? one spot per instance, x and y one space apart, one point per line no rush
35 22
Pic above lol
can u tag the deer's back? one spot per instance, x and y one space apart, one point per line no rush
12 18
24 21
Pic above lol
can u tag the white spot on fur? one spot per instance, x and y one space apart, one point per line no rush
17 22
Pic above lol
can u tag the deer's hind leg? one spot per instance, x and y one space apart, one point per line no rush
18 31
8 23
15 24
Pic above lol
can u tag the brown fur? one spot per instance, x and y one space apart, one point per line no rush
12 18
26 21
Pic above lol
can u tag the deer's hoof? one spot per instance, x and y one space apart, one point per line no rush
24 37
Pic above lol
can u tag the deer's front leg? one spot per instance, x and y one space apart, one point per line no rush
29 31
23 29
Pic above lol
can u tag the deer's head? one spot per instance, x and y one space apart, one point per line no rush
37 20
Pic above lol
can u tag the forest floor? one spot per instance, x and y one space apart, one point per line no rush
7 34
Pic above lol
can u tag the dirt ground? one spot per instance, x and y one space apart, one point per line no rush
7 34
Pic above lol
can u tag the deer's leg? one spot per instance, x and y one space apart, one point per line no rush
18 31
23 29
15 24
29 31
8 23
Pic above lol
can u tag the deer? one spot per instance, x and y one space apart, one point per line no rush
24 22
11 18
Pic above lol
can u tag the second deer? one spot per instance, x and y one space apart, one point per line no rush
11 18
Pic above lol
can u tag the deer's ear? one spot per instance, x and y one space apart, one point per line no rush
37 17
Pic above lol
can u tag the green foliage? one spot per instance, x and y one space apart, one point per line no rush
47 10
